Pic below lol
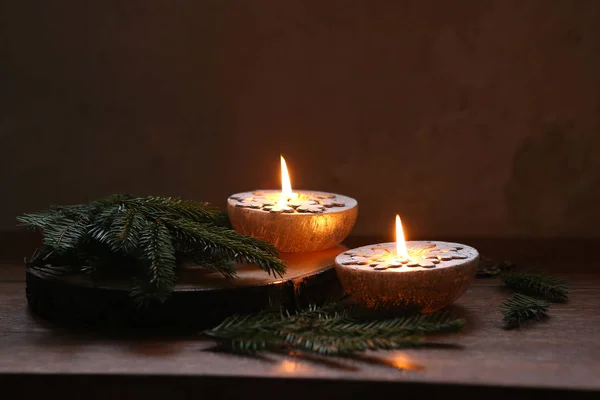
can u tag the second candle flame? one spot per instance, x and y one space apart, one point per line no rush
286 185
401 250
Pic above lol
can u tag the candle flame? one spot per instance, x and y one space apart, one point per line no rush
401 250
286 185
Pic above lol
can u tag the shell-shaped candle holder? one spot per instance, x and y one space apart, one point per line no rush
312 221
436 274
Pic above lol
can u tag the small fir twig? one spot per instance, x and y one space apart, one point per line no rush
539 284
326 331
519 309
490 268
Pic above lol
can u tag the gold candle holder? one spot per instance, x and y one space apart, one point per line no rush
293 221
305 221
426 275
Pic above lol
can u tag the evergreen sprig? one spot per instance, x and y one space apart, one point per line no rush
326 331
151 236
538 284
222 243
519 309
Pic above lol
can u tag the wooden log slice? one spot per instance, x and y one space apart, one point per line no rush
200 300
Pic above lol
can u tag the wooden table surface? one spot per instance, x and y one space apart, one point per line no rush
560 355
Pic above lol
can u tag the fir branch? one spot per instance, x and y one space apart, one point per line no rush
113 226
211 263
415 324
160 255
50 262
227 244
325 331
66 233
527 282
63 227
41 256
158 233
126 229
520 308
222 219
247 333
324 343
491 268
38 221
174 208
330 309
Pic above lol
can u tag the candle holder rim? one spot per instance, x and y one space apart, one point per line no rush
321 192
472 254
349 202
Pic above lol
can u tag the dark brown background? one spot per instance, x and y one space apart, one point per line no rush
469 118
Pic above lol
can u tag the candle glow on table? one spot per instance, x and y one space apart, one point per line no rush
429 275
293 220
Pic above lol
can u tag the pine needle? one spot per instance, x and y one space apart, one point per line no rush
326 331
519 309
533 283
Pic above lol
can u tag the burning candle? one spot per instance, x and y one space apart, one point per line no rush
293 220
428 275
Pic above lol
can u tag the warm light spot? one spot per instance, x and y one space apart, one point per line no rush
402 361
401 250
286 185
292 367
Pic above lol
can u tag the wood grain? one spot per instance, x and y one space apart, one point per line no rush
559 354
